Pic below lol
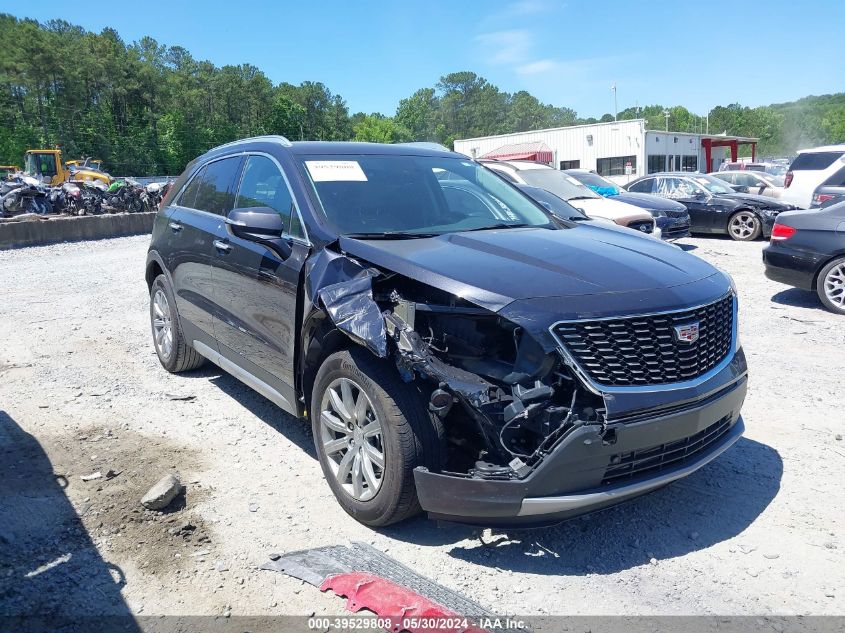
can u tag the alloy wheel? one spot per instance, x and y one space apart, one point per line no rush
834 285
743 225
162 324
351 439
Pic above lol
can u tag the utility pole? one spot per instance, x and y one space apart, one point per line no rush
615 106
666 116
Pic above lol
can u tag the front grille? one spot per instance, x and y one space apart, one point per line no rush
644 351
677 214
651 460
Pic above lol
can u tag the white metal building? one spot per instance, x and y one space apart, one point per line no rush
619 150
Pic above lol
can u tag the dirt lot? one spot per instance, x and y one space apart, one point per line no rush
758 531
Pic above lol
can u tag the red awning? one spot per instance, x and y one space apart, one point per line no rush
537 151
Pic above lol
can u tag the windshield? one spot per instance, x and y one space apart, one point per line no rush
600 185
377 194
558 183
713 184
557 206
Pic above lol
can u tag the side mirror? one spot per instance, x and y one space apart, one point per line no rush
256 223
263 225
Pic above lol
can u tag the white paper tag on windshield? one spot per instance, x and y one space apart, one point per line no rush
336 171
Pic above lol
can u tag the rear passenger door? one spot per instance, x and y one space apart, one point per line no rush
257 284
195 225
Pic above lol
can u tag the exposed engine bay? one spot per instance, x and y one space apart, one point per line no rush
504 401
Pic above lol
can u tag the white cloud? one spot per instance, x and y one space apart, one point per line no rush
537 67
506 47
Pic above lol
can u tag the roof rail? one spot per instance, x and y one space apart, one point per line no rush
273 138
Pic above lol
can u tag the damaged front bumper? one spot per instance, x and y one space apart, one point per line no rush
589 469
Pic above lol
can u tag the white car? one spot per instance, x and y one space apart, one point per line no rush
757 182
574 192
811 168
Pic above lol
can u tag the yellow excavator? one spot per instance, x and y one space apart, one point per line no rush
47 163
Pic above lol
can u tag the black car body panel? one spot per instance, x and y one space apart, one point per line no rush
711 214
469 313
819 238
672 218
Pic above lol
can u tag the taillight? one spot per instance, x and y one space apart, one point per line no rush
787 180
820 198
782 232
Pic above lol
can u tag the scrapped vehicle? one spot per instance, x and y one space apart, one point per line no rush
8 170
456 348
810 169
672 218
713 205
756 182
541 175
807 251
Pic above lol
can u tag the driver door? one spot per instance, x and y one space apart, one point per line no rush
256 285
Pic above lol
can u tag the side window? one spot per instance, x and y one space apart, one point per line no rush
263 185
216 191
189 193
643 186
675 188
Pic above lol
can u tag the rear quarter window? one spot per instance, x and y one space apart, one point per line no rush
814 161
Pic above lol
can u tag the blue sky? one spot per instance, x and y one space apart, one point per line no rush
565 53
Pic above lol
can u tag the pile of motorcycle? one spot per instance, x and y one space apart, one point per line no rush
23 194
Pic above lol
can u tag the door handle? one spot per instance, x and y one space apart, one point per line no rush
175 227
222 246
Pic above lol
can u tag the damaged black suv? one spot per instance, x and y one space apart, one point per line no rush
456 348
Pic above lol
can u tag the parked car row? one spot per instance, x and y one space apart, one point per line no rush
574 192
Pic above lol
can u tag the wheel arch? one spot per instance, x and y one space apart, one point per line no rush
155 267
838 255
320 339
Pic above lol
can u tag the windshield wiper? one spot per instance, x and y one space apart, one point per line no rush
581 198
390 235
501 225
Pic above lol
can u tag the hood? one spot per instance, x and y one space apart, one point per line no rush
494 268
757 201
610 208
648 201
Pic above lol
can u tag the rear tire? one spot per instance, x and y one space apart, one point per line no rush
830 286
744 226
407 436
173 351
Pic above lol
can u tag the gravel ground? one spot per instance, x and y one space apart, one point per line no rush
759 531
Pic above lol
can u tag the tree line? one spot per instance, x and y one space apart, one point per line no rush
145 108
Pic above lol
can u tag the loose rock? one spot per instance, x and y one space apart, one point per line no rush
159 496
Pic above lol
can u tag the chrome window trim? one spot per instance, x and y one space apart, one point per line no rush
599 389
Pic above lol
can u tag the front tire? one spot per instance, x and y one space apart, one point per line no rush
173 351
830 286
744 226
371 430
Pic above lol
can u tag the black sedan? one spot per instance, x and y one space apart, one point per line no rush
808 251
672 218
714 207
